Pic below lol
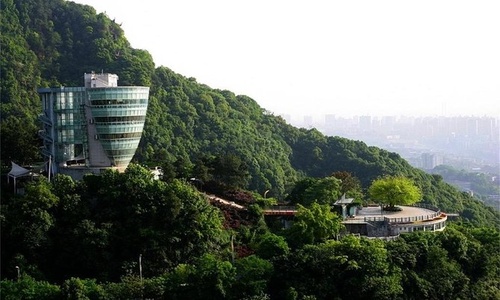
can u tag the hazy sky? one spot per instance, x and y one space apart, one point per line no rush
328 57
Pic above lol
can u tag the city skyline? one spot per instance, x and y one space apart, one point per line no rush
344 58
320 119
461 140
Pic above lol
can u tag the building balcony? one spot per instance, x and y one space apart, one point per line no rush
375 222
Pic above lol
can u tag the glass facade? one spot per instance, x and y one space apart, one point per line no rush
69 124
96 127
119 114
63 119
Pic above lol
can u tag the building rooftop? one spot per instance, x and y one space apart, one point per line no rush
376 213
344 200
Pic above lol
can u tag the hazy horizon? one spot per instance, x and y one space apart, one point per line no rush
319 116
320 57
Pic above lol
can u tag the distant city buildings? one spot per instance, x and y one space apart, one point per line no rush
464 142
308 121
91 128
431 160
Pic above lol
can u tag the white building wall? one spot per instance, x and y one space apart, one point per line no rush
94 80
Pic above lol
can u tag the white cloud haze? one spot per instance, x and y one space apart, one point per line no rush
336 57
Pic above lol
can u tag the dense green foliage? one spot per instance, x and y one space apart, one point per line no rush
62 232
125 235
100 226
191 129
479 182
313 225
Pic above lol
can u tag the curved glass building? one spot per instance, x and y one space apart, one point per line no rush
87 129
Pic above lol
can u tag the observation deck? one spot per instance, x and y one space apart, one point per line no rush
373 221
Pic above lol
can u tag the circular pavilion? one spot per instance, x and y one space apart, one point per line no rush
373 221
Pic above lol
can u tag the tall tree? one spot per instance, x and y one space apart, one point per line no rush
310 190
349 185
394 190
314 224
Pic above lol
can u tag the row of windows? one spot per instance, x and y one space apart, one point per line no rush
67 151
120 144
65 135
70 140
119 101
119 119
118 106
128 124
436 226
62 100
67 111
132 135
67 116
73 117
76 126
119 161
69 119
120 128
68 100
121 152
119 98
119 93
105 111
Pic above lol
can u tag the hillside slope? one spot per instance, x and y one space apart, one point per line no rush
189 125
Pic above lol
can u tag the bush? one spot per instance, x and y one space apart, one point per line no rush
28 288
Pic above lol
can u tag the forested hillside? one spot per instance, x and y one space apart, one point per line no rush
127 236
190 128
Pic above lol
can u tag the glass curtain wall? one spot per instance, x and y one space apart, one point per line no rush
119 114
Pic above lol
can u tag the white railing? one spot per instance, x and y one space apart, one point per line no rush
436 213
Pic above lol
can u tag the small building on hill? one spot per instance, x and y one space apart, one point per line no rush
373 221
345 204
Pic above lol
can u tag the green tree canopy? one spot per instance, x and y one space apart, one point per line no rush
349 185
52 42
394 190
351 268
314 224
323 191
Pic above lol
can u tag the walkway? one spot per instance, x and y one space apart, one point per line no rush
225 202
280 211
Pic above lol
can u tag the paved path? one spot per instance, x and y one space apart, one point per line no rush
225 202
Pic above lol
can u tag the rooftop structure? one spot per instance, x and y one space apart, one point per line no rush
372 221
343 203
91 128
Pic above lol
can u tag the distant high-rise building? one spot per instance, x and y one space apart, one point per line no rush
431 160
365 123
387 123
330 120
91 128
308 121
